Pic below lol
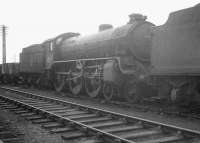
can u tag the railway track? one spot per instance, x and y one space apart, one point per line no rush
8 134
74 121
156 107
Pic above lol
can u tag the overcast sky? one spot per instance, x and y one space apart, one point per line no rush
33 21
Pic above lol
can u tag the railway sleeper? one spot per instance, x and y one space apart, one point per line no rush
23 111
11 107
9 137
160 138
2 102
45 105
93 119
141 133
5 133
5 106
54 109
63 111
68 110
28 114
92 140
42 105
61 129
17 109
33 102
84 116
69 113
12 140
127 127
2 127
106 124
8 106
51 125
36 117
42 121
73 135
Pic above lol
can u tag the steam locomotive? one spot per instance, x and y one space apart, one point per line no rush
135 61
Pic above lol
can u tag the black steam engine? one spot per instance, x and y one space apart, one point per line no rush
136 61
104 61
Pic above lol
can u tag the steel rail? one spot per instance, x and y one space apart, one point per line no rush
101 133
83 126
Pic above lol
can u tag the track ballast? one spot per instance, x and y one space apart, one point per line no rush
74 121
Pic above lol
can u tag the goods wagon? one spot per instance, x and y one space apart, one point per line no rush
11 68
10 73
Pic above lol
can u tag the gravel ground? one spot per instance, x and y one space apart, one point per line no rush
32 133
193 124
188 123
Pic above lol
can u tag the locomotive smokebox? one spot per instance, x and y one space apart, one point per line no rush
103 27
136 17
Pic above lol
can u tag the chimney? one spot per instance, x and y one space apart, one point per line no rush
136 17
103 27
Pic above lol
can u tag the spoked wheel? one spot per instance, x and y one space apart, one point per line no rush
76 85
108 91
59 82
92 87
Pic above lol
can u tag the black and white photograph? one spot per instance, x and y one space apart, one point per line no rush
99 71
